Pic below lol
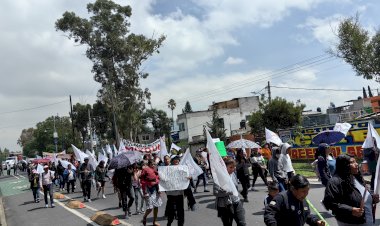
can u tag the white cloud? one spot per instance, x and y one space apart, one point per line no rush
234 61
323 30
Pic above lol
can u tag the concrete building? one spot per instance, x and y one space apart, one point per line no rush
233 113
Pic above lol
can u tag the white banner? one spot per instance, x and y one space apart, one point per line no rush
79 154
153 147
163 150
102 157
372 136
188 161
109 151
272 137
342 127
173 177
218 168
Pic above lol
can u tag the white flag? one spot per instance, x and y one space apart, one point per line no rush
91 159
342 127
102 157
122 147
80 155
104 153
372 136
163 150
109 151
66 163
272 137
218 168
40 169
194 168
175 147
115 150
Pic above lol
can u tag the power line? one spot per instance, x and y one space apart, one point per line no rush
314 61
33 108
318 89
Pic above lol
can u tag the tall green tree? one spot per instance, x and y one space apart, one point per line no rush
187 108
117 54
358 48
101 119
80 119
159 121
216 125
172 105
277 114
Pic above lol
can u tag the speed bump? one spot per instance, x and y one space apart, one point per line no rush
75 204
57 195
103 218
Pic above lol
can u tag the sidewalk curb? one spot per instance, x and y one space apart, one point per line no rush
3 221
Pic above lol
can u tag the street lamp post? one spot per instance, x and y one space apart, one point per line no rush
55 136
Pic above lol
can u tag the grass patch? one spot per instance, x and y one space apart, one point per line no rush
304 168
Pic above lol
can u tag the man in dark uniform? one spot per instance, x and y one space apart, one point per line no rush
290 207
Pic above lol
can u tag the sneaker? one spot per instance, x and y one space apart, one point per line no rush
52 205
193 208
246 200
195 191
85 199
253 189
129 214
104 197
206 190
89 200
46 205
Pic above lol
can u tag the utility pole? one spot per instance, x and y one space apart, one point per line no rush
269 93
89 119
72 121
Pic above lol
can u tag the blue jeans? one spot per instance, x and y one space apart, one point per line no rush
36 194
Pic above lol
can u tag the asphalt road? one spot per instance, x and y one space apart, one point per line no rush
21 210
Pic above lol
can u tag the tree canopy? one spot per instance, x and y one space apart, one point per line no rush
358 48
117 55
277 114
187 108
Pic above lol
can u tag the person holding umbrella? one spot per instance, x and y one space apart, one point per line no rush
321 154
347 196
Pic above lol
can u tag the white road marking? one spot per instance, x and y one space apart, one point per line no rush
78 214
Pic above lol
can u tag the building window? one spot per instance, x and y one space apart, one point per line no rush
145 137
181 126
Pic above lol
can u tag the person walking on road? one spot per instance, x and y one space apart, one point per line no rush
61 180
347 196
149 183
321 154
69 176
124 185
276 170
86 172
34 180
258 167
229 207
243 173
100 178
175 202
202 164
290 207
137 189
46 183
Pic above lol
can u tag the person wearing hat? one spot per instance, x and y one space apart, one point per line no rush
34 180
86 171
46 183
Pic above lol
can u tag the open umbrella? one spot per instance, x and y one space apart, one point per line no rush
328 137
243 143
119 161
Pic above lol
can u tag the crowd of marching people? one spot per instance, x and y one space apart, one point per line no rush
137 186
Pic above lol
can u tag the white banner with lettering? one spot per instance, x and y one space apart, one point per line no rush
152 147
173 177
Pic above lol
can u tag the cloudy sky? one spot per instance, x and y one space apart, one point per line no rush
215 50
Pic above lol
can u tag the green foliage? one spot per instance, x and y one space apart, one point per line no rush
80 119
277 114
359 49
160 122
101 119
34 141
187 108
216 126
117 56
